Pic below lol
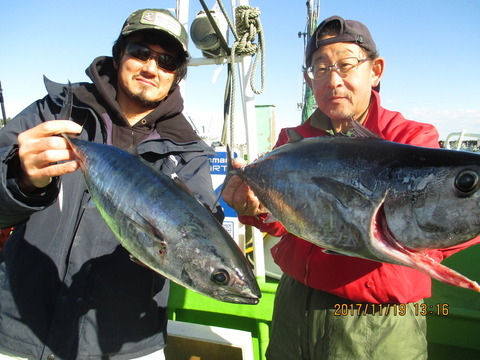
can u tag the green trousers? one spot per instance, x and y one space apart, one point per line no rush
310 324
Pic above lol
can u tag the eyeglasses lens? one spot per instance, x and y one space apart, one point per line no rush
143 53
343 67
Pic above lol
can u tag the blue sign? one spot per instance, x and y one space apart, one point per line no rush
218 164
218 170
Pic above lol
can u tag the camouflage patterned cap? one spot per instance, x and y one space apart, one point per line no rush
156 19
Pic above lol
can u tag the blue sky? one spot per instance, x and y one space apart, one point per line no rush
431 50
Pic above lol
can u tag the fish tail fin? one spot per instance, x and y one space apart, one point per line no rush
66 137
229 160
66 111
229 174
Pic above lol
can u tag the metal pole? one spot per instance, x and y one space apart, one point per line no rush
248 102
182 10
222 40
4 120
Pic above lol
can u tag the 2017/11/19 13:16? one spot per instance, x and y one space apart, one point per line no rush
418 309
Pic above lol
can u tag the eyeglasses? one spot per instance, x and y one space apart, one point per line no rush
143 53
342 67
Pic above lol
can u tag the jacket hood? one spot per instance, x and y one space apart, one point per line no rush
167 118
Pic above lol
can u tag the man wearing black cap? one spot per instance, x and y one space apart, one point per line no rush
68 289
332 306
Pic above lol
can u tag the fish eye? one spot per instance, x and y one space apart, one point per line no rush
220 277
466 182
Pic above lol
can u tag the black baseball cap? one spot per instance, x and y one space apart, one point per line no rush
351 31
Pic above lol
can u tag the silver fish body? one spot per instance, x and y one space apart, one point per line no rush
372 198
163 226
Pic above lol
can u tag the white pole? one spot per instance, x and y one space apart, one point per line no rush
182 12
460 140
182 16
248 102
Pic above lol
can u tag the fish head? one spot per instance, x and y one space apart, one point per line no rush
228 279
198 253
436 207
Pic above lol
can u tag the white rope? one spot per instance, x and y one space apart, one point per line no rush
248 26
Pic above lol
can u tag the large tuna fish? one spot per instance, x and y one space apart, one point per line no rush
372 198
162 225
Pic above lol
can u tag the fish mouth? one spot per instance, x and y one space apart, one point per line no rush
249 295
240 299
248 301
388 249
382 232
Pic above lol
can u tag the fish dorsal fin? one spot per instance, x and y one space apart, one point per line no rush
181 184
293 136
360 131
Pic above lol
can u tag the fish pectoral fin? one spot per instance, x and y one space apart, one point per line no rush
347 195
155 238
146 227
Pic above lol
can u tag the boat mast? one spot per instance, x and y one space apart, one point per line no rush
308 102
244 62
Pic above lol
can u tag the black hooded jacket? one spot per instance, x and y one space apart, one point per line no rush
67 287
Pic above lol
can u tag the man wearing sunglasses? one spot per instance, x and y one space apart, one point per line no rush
68 289
331 306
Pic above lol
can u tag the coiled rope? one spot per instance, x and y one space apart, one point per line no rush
248 26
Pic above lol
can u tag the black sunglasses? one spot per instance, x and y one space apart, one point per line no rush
143 53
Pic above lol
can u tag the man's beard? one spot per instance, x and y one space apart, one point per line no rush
142 100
